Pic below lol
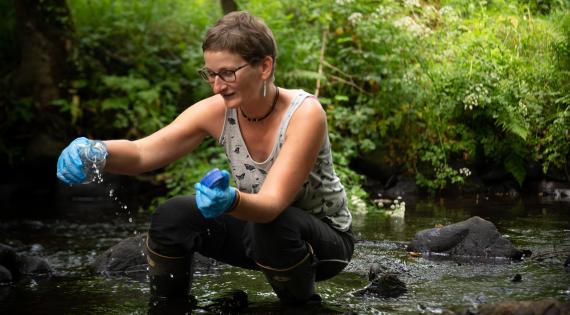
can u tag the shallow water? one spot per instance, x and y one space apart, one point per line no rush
71 240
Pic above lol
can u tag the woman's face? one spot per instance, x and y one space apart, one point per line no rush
248 78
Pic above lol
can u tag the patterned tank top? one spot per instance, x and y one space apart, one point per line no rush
322 194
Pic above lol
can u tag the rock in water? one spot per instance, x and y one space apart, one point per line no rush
126 258
474 237
383 283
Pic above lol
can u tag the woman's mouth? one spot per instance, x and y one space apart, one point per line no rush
227 95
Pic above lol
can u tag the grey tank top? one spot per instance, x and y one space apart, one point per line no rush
322 194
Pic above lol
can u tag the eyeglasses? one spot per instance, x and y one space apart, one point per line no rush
226 75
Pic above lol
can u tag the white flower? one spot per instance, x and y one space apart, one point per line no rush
355 17
344 2
410 25
412 3
449 13
475 94
465 171
381 11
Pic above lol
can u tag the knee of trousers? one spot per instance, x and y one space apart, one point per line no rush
172 224
277 244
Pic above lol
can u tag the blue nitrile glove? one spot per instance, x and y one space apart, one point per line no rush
214 201
80 161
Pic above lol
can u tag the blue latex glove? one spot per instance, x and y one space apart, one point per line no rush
80 160
214 201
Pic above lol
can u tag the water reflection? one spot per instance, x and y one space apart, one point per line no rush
71 243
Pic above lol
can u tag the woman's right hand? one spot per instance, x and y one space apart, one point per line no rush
80 160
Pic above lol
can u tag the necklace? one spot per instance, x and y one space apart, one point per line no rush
253 119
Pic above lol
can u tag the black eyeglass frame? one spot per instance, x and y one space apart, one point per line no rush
229 74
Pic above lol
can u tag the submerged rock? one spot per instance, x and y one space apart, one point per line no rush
32 265
9 258
14 265
474 237
228 302
127 258
548 306
383 283
5 275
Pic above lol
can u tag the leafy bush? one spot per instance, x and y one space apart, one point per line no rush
136 63
434 87
483 83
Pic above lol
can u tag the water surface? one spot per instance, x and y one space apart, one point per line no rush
71 239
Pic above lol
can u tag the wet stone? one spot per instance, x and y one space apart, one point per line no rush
32 265
18 264
5 276
383 283
474 237
231 301
548 306
127 258
8 257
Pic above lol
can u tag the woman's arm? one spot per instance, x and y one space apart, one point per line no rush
166 145
303 140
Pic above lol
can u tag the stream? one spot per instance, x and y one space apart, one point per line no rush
71 238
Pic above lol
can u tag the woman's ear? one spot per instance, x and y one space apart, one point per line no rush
267 68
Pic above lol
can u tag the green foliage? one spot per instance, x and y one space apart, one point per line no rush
136 63
388 73
8 49
478 80
434 87
180 176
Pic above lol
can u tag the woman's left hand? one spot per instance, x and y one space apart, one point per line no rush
214 201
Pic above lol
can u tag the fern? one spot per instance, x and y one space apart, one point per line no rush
514 164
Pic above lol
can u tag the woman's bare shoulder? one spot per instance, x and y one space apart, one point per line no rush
207 114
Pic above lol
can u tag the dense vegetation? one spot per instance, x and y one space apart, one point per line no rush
437 88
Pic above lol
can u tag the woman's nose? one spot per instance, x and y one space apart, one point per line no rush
218 84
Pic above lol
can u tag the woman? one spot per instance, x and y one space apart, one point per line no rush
288 215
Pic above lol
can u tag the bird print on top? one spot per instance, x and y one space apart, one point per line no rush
322 194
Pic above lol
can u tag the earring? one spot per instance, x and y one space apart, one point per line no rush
264 88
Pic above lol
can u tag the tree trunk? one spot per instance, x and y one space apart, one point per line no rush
44 30
229 6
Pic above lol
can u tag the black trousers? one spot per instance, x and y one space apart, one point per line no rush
178 228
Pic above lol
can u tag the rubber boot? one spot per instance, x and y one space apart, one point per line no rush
296 284
170 277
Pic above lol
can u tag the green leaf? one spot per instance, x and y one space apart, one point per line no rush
115 103
514 164
341 98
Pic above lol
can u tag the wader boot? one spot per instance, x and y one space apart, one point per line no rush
170 277
295 284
